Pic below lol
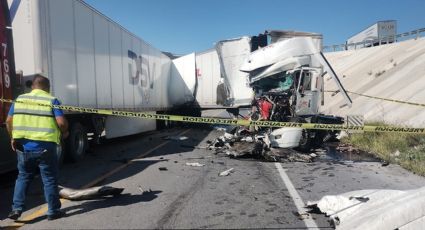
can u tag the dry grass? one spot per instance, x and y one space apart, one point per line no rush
407 150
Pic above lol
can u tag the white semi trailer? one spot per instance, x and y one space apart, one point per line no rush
93 62
208 79
381 32
202 80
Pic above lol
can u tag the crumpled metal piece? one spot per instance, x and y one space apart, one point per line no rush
89 193
226 172
194 164
176 138
288 155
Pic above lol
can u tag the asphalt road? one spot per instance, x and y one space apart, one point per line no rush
254 195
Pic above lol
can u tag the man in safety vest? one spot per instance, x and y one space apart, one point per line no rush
35 132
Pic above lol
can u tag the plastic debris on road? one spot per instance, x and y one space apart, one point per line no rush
194 164
226 172
176 138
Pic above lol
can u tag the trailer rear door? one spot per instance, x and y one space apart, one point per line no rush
7 66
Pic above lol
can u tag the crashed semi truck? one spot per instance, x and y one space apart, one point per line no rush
280 76
92 62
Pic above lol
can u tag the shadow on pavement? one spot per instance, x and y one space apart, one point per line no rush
88 206
105 158
122 200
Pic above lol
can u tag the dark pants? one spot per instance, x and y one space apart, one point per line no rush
28 163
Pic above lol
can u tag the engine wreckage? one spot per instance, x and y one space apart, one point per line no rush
241 142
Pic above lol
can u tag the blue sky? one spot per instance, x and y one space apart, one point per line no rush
184 26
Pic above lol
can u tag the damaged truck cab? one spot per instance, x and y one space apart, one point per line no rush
284 71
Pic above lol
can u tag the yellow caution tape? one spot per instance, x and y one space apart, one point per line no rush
227 121
380 98
386 99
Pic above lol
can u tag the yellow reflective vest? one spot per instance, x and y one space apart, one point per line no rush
35 122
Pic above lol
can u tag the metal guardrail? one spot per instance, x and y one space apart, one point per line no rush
414 34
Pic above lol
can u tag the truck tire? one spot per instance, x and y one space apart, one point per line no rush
76 143
305 142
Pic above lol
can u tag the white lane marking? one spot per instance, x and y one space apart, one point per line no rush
310 223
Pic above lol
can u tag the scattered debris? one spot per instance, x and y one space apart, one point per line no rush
189 146
140 189
176 138
380 73
302 216
342 135
89 193
226 173
248 139
144 191
228 136
241 142
194 164
194 158
163 169
347 148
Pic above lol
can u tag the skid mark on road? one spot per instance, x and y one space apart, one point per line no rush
310 223
173 210
43 209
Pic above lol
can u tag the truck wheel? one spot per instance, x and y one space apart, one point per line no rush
305 142
77 142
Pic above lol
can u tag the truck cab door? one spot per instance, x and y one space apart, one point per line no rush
306 97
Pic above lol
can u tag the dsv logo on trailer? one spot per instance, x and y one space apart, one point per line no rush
141 74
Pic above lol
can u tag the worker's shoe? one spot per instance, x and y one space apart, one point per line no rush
14 214
56 215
